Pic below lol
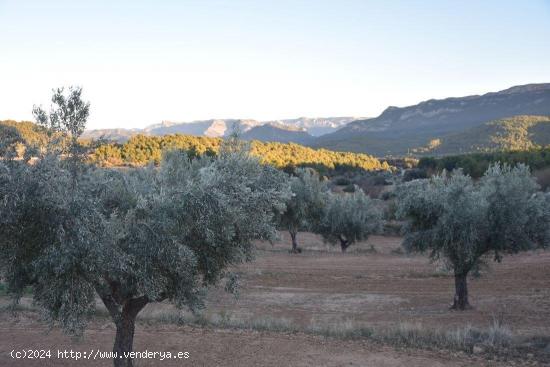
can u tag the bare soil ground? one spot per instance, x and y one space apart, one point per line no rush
384 287
373 285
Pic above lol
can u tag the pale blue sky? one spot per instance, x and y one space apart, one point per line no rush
141 62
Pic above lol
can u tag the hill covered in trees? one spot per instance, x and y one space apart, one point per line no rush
516 133
142 149
23 132
476 164
398 130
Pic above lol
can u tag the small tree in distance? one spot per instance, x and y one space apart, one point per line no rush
66 122
349 218
461 221
304 209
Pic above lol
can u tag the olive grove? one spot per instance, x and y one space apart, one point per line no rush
75 233
464 222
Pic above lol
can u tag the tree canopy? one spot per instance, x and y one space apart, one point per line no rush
349 218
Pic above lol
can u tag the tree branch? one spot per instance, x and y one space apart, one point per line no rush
134 305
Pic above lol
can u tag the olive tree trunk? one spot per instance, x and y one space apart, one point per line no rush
295 249
123 313
124 341
460 301
344 244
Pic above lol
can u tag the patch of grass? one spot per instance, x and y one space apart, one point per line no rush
347 329
416 336
222 320
497 340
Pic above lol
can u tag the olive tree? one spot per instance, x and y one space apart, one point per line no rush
349 218
462 222
65 122
304 209
133 237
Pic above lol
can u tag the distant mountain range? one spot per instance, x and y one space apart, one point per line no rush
301 130
514 118
398 131
316 126
211 128
279 133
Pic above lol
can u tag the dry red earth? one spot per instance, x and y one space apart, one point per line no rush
384 287
322 286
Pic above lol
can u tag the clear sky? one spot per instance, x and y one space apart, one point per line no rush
141 62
